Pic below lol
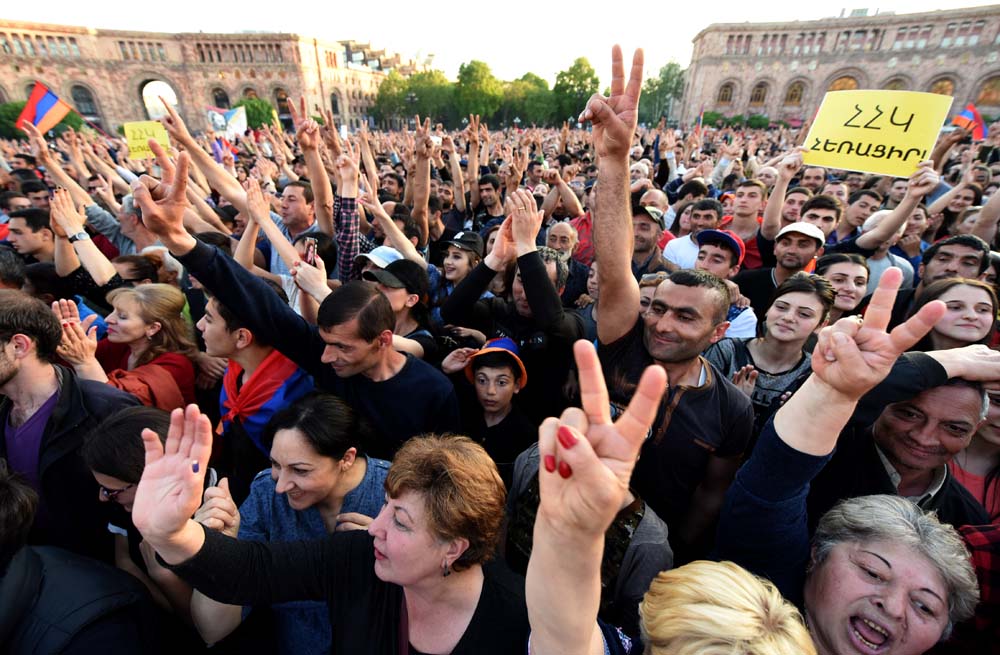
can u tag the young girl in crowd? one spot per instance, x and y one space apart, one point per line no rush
848 275
320 481
971 315
765 367
978 466
148 347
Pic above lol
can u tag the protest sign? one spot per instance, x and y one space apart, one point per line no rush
138 134
883 132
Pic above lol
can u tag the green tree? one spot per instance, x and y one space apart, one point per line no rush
661 93
758 122
528 98
391 100
433 95
259 111
477 90
9 111
711 118
573 87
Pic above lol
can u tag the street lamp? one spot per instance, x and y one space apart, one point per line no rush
517 122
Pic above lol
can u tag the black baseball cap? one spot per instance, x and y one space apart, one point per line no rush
402 274
470 241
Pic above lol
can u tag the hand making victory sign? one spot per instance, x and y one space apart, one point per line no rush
614 118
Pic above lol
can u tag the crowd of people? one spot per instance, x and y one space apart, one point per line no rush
603 389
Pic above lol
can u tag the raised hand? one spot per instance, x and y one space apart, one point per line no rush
163 204
170 489
79 341
587 460
311 278
422 144
39 149
790 164
176 128
853 355
614 118
64 216
504 247
526 220
923 181
219 511
456 360
745 379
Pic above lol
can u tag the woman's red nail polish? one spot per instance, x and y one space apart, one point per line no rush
564 470
550 463
566 437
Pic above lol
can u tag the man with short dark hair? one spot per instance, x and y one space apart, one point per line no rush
23 161
45 412
348 352
896 193
749 201
860 206
703 424
647 228
31 236
486 202
813 178
533 174
690 191
720 252
683 252
38 193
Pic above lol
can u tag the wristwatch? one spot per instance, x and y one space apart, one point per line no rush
79 236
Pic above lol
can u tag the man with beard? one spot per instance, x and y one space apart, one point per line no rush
703 423
795 247
647 228
683 252
813 178
562 238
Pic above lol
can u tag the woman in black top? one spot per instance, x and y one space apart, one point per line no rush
415 582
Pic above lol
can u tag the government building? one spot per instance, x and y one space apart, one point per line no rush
111 77
782 70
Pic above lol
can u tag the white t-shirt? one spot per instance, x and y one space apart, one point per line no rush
683 252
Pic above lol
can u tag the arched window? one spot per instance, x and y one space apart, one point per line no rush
725 96
220 98
793 96
759 94
152 91
989 94
945 87
844 83
335 103
896 85
249 92
83 100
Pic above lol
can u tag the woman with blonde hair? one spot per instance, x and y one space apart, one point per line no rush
148 348
718 608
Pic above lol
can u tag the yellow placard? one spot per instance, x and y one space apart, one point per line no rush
138 134
883 132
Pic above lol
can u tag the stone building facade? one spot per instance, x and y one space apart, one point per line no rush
782 70
113 76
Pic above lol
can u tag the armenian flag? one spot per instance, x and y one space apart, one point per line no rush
969 119
44 109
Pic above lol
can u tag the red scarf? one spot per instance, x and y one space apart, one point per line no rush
244 401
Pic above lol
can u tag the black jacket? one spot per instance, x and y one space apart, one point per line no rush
57 602
856 468
75 518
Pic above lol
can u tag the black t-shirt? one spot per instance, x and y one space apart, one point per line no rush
758 285
339 569
692 424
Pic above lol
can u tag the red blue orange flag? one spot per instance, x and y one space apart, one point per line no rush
969 119
44 109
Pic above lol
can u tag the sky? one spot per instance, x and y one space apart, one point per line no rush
540 38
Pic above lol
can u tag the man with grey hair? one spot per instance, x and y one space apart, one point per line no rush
563 238
126 232
906 430
535 318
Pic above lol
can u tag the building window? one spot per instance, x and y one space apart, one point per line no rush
895 85
161 52
729 44
84 100
74 48
334 103
220 98
844 83
29 47
793 96
945 87
281 102
151 92
759 94
5 45
989 95
249 92
725 96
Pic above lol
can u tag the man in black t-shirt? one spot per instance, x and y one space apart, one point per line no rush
795 246
704 422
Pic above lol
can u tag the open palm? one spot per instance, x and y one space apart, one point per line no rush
170 489
587 460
